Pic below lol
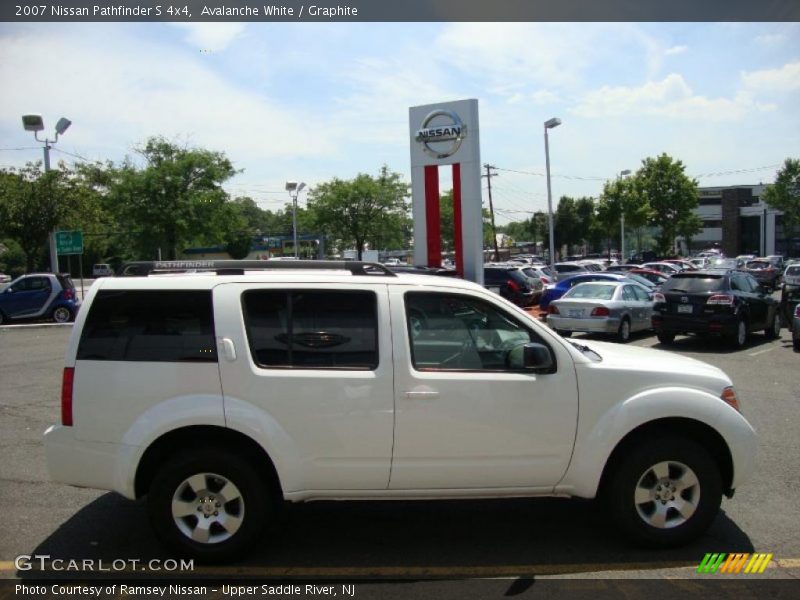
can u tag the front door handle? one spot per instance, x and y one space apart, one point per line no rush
422 395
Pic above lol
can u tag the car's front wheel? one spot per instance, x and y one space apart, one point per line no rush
666 338
665 492
209 504
624 331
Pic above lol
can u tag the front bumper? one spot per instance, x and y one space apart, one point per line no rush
712 324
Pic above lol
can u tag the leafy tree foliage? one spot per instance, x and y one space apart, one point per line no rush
784 194
362 210
671 196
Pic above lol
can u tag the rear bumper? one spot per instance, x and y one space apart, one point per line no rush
713 324
86 464
591 325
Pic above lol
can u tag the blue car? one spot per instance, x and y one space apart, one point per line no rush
554 292
39 296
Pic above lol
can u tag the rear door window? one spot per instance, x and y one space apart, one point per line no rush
312 329
149 326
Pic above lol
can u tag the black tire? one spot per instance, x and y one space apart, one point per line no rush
637 471
61 314
624 331
253 507
773 330
2 318
564 334
739 338
796 344
665 338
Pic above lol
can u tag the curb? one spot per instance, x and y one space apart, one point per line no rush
34 326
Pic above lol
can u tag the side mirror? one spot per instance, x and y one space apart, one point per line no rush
531 357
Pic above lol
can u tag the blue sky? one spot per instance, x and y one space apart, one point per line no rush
310 101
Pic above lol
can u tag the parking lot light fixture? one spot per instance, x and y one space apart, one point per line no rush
35 123
550 124
622 174
294 189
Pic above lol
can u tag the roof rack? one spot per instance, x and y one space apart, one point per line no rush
238 267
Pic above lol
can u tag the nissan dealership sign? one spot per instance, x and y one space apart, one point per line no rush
441 133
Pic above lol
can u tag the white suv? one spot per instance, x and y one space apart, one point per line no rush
223 392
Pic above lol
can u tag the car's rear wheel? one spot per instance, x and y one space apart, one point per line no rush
563 333
666 338
61 314
209 504
739 337
624 331
2 318
665 492
773 331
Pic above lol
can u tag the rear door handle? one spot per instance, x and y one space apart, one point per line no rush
422 395
228 349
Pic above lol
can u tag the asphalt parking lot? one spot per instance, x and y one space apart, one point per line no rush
457 542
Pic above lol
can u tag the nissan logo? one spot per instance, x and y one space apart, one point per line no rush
443 138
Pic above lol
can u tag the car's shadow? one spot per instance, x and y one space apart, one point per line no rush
407 540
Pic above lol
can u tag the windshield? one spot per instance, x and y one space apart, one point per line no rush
758 264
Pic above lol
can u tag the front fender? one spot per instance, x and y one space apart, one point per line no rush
597 438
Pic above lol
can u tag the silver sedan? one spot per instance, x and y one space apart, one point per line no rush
613 307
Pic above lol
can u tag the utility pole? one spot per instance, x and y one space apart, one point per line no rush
489 176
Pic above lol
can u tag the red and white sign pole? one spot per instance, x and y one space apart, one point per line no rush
447 134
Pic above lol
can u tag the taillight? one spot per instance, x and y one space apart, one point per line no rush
600 311
659 297
797 311
553 310
512 285
725 299
546 280
69 293
66 396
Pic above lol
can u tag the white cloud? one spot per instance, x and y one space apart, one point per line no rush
676 50
132 90
212 37
671 97
770 39
784 79
544 97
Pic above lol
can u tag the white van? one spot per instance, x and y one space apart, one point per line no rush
102 270
221 393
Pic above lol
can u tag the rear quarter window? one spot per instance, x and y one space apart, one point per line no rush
149 326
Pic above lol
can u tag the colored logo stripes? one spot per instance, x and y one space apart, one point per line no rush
734 563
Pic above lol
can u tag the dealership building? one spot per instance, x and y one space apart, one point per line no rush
736 220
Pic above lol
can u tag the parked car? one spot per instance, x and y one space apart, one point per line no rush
554 292
4 278
39 296
789 307
163 397
567 269
102 270
513 284
727 303
700 262
622 268
657 278
764 272
612 307
543 272
791 276
725 263
662 267
684 265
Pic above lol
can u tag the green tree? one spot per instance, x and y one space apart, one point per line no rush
362 210
784 195
567 225
670 194
174 201
32 204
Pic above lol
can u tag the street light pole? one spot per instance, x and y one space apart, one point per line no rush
550 124
35 124
294 189
622 223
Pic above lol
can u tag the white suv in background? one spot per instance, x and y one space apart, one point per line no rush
221 393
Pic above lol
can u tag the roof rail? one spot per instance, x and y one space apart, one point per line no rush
144 268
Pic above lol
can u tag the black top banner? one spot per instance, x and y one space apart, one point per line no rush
400 10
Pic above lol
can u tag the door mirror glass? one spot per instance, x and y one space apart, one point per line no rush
531 357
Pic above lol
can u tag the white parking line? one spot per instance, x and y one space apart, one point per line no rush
761 351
